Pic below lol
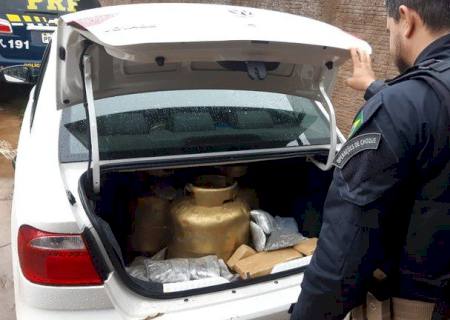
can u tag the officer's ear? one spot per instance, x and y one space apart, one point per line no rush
409 21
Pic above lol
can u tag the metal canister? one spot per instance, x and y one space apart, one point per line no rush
151 232
209 221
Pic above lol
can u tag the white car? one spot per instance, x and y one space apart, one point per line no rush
185 88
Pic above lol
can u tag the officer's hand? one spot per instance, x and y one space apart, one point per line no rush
363 75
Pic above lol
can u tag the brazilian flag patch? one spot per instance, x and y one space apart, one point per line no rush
357 123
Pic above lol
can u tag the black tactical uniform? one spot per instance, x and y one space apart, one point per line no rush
388 206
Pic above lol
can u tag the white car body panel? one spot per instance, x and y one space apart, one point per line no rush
25 311
43 205
41 181
40 201
270 299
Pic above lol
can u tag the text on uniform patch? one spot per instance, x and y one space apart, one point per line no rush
369 141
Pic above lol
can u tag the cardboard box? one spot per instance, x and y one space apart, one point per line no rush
378 310
261 264
307 246
242 252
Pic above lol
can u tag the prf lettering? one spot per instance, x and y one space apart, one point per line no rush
53 5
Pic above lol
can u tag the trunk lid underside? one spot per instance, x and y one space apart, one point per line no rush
155 47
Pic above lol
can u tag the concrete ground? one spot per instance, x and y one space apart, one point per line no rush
10 120
6 280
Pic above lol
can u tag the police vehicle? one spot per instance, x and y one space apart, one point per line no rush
26 27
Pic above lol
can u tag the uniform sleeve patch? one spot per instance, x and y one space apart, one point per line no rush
368 141
359 120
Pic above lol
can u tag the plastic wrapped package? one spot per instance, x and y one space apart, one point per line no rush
264 220
280 240
137 269
160 255
284 235
205 267
287 225
258 237
283 231
167 271
156 269
179 270
225 272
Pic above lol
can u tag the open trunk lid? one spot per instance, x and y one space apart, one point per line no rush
158 47
134 41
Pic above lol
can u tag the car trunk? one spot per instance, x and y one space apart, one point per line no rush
286 188
140 49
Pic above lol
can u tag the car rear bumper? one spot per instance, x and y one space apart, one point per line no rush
60 298
36 302
26 312
33 301
270 300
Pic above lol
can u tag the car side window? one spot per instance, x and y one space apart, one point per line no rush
37 90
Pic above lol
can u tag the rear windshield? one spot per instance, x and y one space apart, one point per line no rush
191 122
58 7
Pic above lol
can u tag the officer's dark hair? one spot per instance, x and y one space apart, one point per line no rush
434 13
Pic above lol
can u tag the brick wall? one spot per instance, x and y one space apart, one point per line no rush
366 20
362 18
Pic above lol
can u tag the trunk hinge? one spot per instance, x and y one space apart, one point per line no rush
95 152
326 102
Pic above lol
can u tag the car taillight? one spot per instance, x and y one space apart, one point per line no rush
5 26
55 259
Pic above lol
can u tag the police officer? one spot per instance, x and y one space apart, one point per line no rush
386 226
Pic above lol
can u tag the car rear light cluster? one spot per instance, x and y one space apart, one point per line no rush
55 259
5 26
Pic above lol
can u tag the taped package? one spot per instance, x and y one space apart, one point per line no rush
242 252
307 246
262 263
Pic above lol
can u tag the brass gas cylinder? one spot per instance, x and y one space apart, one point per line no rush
151 232
210 221
249 196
